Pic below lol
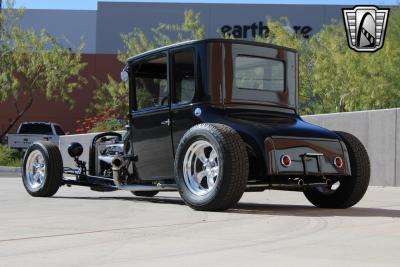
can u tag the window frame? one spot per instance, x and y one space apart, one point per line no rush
132 82
266 58
172 71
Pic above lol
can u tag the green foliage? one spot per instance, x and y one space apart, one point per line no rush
10 157
111 95
114 94
345 80
108 125
33 63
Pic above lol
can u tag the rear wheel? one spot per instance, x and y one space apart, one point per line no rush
211 167
348 191
145 193
42 169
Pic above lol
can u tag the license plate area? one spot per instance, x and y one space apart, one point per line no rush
312 163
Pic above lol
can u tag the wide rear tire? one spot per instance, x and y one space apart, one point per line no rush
211 167
352 188
42 169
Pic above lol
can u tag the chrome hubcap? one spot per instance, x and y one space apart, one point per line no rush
35 170
201 168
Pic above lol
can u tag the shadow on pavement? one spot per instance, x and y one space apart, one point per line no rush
311 211
158 200
267 209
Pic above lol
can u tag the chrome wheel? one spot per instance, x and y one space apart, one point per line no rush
35 170
201 168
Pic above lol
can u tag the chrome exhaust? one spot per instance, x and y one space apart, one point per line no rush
116 164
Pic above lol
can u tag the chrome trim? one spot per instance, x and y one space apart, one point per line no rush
36 171
201 168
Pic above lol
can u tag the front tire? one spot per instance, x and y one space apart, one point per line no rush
351 188
42 169
211 167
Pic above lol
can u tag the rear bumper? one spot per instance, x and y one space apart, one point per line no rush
309 156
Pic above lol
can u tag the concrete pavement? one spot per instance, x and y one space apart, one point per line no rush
79 227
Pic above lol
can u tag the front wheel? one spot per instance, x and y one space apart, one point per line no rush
211 167
42 169
350 189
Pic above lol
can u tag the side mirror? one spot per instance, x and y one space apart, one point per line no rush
124 75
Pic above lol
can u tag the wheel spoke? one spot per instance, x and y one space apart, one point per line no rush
215 171
213 155
201 155
210 181
200 176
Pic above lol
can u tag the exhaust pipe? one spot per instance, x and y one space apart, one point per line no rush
118 162
300 182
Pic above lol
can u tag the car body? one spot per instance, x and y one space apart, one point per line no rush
217 117
30 132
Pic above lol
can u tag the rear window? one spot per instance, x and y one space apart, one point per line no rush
258 73
44 129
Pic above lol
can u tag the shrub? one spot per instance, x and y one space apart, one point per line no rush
10 157
108 126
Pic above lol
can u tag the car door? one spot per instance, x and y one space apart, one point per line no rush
183 84
151 127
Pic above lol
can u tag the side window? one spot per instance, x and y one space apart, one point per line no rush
183 76
151 83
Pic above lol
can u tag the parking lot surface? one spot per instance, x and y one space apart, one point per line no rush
79 227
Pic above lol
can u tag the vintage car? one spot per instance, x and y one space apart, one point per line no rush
211 119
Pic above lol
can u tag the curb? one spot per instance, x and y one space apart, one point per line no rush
4 169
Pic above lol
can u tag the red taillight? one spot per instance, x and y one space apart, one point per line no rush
286 161
338 161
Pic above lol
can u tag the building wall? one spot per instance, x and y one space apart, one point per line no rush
116 18
71 25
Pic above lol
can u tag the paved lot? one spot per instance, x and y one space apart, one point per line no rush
79 227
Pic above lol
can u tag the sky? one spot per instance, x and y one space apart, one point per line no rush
92 4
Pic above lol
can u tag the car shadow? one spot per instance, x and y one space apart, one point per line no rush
158 200
311 211
265 209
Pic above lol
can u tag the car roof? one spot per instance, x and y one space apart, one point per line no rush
208 40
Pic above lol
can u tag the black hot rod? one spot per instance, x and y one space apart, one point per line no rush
211 119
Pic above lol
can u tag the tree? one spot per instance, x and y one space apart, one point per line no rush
345 80
34 63
334 78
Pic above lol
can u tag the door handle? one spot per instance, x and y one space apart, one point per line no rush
166 122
